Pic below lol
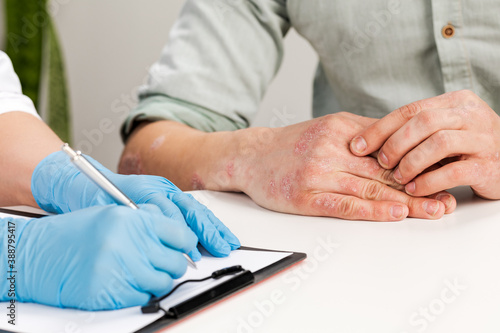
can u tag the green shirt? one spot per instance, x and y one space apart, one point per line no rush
374 56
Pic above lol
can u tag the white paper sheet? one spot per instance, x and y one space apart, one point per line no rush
40 318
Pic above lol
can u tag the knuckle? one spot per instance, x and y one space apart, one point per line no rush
464 93
372 190
386 175
426 119
441 139
346 207
343 114
409 111
120 215
186 238
412 160
330 119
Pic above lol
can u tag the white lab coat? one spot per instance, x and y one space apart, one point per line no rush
11 95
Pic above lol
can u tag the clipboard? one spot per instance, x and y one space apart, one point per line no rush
207 298
220 292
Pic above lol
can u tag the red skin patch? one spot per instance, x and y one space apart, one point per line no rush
230 169
326 203
286 187
197 183
313 132
131 165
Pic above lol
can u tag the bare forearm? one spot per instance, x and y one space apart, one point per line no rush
190 158
24 142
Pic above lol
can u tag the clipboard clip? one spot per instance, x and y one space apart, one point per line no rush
153 305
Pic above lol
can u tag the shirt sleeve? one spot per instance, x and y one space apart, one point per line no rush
11 96
220 58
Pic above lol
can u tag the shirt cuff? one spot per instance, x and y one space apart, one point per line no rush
161 107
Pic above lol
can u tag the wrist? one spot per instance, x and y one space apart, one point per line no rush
234 156
59 187
215 167
47 179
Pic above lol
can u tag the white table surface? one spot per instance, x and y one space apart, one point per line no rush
365 276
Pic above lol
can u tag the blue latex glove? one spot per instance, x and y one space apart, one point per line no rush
59 187
99 258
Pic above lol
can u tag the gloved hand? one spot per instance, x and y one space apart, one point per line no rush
59 187
99 258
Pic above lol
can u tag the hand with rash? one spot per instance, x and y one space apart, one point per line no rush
308 169
304 169
438 143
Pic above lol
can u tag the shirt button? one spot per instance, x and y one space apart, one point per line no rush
448 31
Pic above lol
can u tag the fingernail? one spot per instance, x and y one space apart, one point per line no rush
431 207
358 144
398 212
410 188
382 159
397 176
444 198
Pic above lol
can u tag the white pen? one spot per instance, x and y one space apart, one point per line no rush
104 183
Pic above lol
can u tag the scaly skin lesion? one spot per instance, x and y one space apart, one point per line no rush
305 169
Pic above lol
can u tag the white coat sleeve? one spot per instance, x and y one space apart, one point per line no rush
11 96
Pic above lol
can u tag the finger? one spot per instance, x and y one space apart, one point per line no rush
156 283
195 254
152 209
197 219
143 276
164 285
168 261
171 233
437 147
449 201
168 208
372 138
227 234
451 175
415 131
369 168
125 299
140 273
375 191
353 208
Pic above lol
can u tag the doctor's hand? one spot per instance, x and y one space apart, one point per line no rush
59 187
99 258
456 135
307 169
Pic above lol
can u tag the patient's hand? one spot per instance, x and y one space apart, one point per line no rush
308 169
458 130
304 169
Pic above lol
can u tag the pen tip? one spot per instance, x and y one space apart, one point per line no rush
190 261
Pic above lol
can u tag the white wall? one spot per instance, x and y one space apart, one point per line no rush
108 46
